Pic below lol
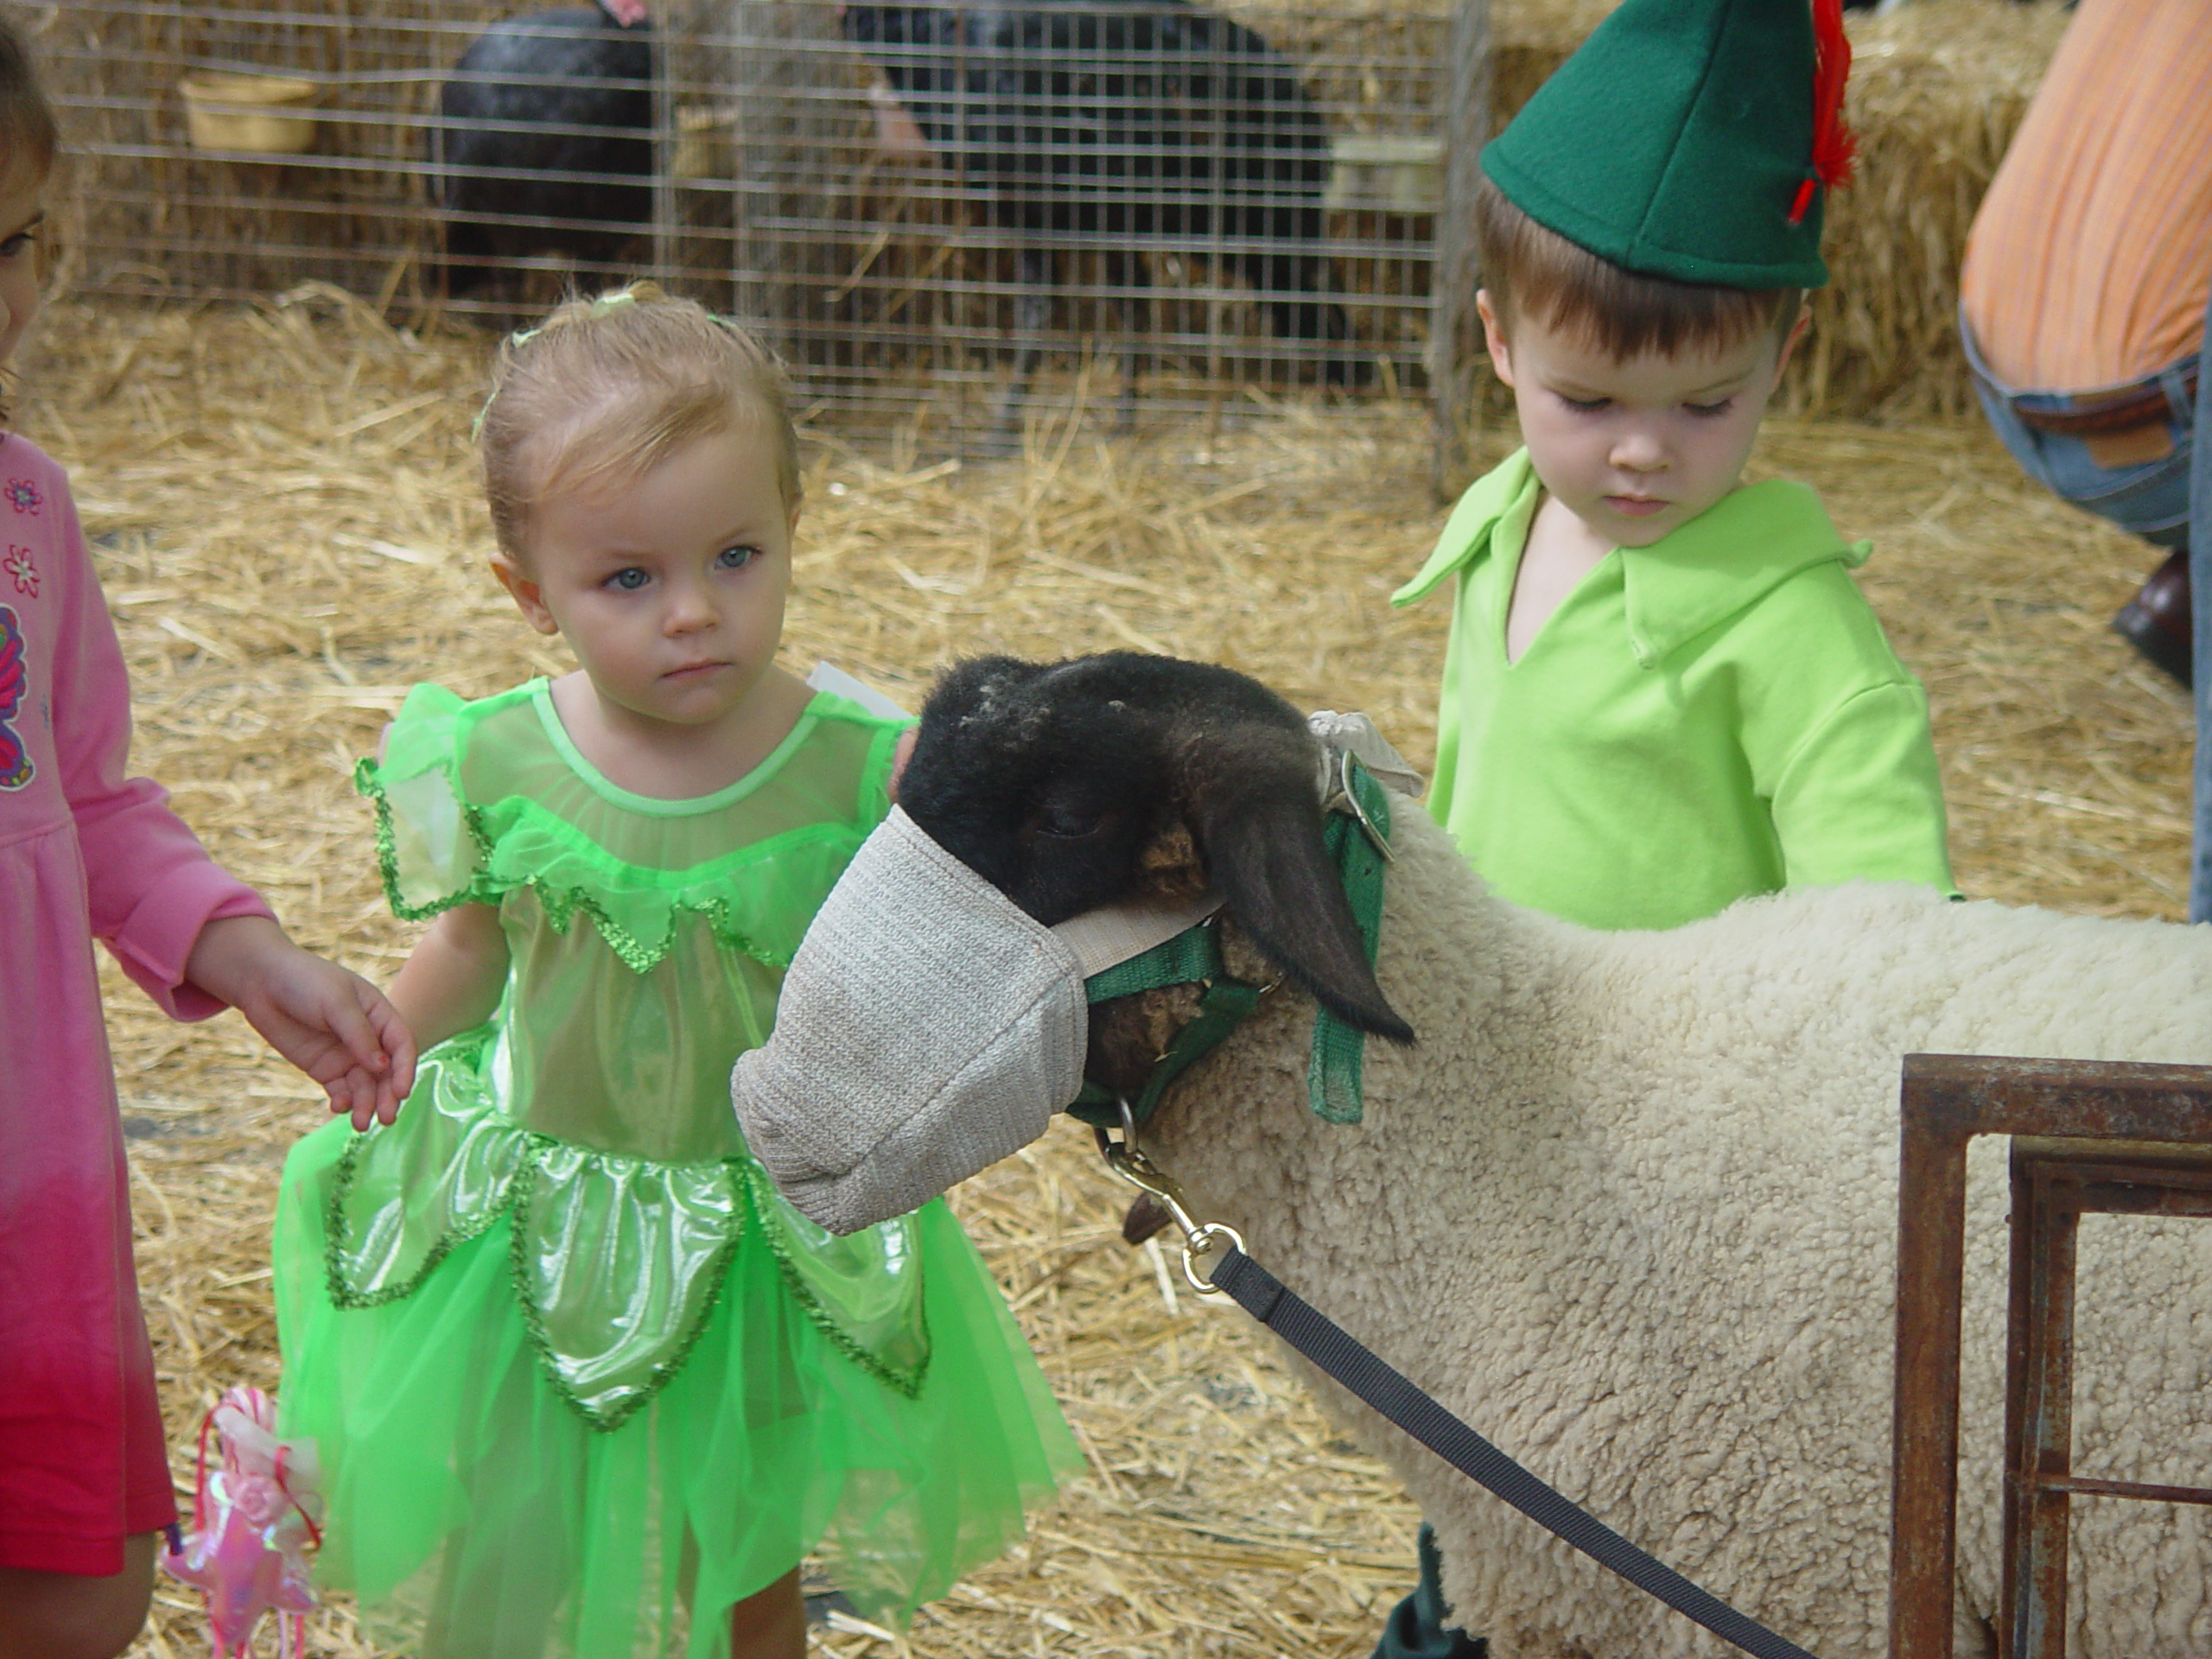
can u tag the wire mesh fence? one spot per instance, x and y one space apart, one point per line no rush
945 213
231 150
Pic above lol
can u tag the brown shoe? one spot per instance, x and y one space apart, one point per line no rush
2156 621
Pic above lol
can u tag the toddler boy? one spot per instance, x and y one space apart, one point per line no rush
1663 691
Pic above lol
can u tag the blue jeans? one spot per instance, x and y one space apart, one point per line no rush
2151 499
2159 501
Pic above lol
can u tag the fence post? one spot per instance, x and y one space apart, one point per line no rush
665 27
1465 102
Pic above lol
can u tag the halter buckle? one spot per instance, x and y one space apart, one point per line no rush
1345 798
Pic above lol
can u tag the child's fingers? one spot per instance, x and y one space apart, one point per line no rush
899 757
388 1100
378 1058
353 1094
350 1024
398 1047
373 1099
384 1099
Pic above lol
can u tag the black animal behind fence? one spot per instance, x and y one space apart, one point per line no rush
1137 129
544 144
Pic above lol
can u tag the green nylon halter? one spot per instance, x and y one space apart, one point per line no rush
1357 838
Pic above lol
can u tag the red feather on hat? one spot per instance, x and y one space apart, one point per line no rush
1834 145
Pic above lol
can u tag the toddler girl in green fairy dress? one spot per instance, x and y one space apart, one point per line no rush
583 1383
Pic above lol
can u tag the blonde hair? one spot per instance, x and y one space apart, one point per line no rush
613 386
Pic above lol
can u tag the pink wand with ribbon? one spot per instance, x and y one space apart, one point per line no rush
253 1521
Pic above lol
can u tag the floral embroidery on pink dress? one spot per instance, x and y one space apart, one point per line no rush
20 564
23 495
16 767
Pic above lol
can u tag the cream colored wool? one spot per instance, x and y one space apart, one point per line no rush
1630 1208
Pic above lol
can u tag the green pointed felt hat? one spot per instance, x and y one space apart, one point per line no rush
1679 142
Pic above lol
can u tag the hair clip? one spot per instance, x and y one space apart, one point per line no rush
514 341
521 337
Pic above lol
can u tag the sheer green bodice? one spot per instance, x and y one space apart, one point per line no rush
702 902
648 939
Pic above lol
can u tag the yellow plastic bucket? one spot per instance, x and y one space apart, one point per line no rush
251 112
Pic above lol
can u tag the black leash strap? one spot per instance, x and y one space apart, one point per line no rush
1328 1345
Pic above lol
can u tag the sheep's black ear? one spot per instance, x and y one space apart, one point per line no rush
1260 838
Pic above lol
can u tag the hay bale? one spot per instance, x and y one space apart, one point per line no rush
1937 91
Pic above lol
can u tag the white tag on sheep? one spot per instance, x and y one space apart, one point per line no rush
1355 734
1107 939
827 676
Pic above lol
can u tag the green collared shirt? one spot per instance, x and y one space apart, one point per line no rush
1714 715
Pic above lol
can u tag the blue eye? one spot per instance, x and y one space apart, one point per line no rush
736 558
627 580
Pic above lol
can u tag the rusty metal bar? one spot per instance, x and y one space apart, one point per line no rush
1946 1100
1924 1425
2084 1486
2021 1340
2038 1411
2143 1192
1960 1096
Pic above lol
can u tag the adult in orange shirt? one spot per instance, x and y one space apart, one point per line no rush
2083 304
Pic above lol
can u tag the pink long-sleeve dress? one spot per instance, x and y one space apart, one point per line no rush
85 852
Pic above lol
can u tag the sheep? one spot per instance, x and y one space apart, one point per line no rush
1132 123
543 142
1627 1202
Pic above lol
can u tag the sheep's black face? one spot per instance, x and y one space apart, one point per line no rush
1073 786
1036 778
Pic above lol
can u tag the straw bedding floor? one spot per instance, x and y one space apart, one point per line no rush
286 523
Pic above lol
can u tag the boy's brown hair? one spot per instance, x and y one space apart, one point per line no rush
1531 271
613 386
27 135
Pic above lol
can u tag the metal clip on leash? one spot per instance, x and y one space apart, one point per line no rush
1200 1238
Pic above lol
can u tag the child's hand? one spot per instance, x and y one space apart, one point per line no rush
334 1025
899 757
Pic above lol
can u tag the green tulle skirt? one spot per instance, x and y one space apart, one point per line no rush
478 1515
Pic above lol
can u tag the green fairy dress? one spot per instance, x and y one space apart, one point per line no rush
580 1379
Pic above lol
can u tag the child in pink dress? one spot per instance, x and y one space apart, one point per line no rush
87 852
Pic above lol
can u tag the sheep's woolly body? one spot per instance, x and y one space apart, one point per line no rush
1629 1207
